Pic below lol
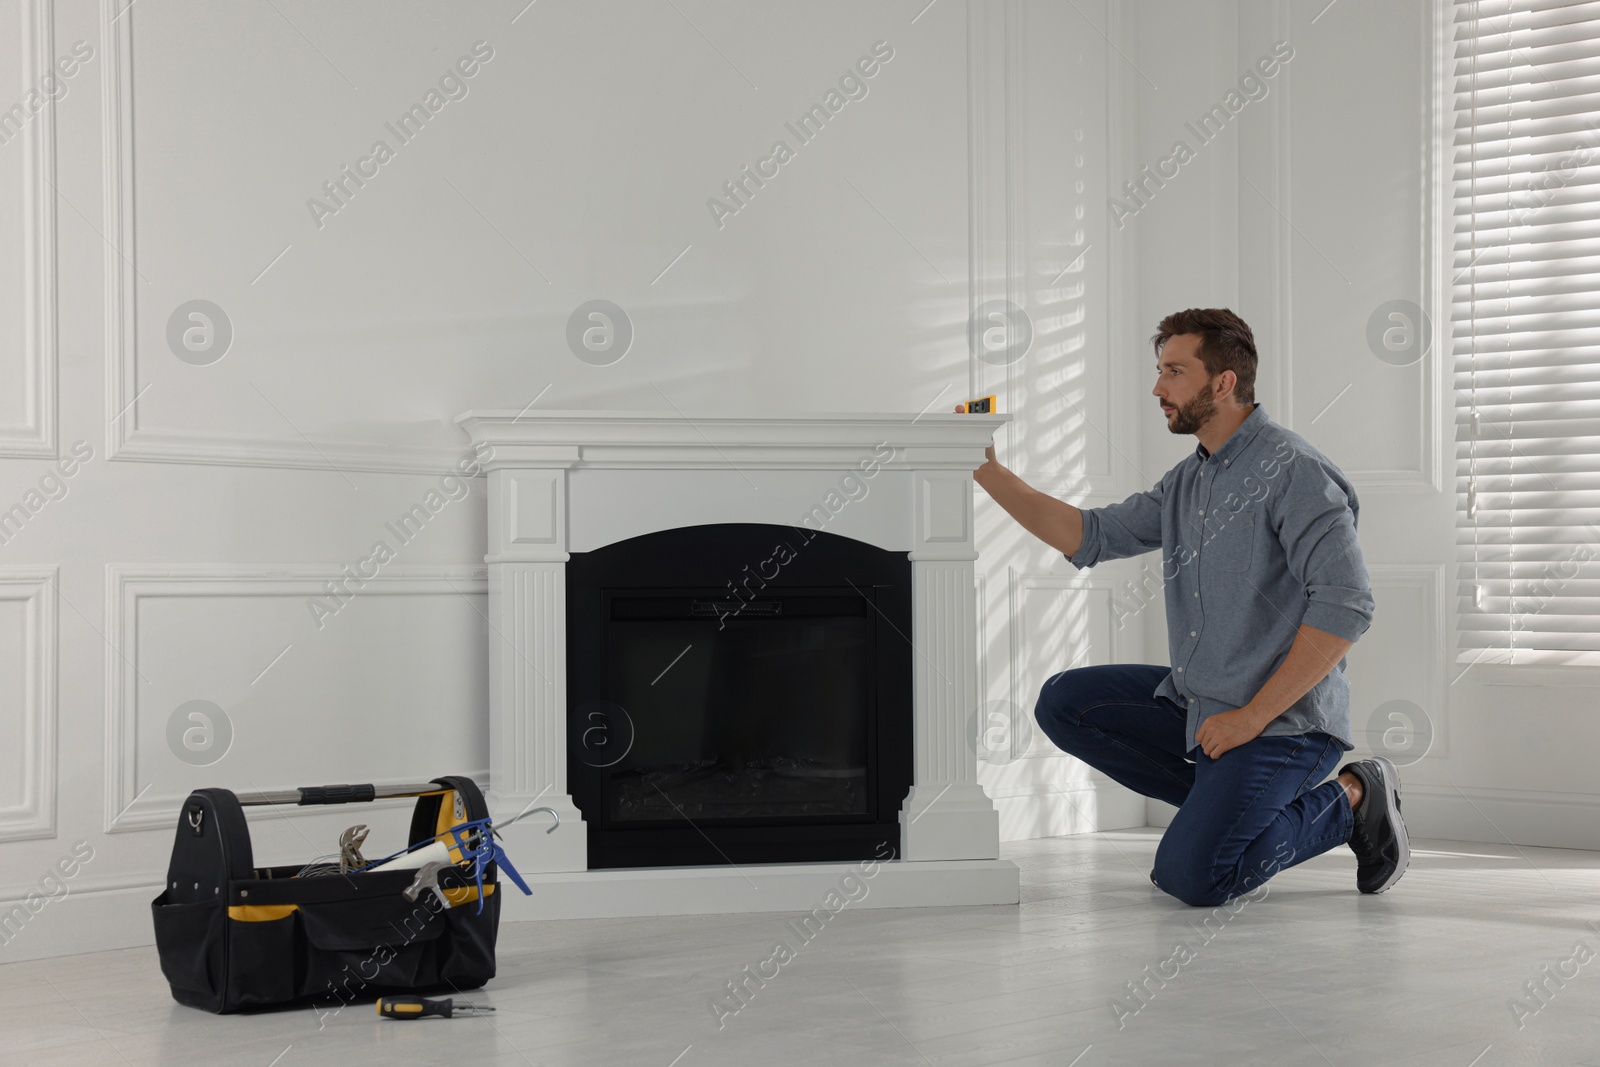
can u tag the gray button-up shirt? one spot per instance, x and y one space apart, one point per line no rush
1256 538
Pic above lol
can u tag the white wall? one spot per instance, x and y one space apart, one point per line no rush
181 559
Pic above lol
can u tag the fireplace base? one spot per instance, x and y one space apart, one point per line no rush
759 887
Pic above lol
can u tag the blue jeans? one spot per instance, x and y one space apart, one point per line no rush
1242 817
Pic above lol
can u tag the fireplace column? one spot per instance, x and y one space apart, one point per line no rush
528 665
947 815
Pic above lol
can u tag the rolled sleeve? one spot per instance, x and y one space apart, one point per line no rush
1318 533
1117 531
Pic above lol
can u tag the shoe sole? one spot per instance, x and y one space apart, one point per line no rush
1391 796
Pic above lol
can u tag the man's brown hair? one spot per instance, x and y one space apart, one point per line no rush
1226 343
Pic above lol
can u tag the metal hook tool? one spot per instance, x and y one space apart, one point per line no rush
495 830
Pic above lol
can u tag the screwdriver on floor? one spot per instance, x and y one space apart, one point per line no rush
417 1007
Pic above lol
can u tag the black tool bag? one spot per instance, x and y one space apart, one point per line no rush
232 935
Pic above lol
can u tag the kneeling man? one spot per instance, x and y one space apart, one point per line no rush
1266 591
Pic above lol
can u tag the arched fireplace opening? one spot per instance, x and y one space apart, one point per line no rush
739 693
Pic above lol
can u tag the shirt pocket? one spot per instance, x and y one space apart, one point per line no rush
1232 545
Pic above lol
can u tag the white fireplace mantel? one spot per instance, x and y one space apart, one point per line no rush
656 439
569 481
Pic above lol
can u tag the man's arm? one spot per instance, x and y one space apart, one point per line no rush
1114 531
1055 522
1315 522
1312 655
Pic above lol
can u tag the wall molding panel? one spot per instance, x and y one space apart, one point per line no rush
35 587
1000 230
1100 586
35 435
127 806
126 438
1430 638
1428 474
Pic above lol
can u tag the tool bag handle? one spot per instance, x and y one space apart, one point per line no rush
212 848
336 794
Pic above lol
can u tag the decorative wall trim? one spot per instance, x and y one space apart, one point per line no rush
1123 332
1013 216
36 817
226 450
1264 238
1433 642
126 438
1502 816
1019 584
97 922
1439 364
999 224
126 807
36 434
1119 396
1282 112
1397 480
1429 476
116 155
81 886
1059 810
987 276
1447 813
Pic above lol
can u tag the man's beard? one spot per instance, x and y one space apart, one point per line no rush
1196 413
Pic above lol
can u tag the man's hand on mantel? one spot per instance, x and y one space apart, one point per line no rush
1055 522
991 465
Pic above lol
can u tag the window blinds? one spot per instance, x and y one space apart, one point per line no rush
1524 173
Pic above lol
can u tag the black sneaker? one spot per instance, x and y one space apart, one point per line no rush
1379 836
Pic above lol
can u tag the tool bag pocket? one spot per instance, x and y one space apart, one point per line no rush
261 960
189 940
385 942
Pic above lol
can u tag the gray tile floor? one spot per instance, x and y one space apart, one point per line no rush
1310 973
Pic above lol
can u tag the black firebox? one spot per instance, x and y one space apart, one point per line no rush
738 693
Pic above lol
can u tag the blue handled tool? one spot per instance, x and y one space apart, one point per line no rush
476 841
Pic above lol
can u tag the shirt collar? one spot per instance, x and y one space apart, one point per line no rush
1240 437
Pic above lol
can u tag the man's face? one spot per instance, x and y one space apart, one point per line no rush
1186 392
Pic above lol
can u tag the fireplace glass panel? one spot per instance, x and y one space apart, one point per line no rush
740 710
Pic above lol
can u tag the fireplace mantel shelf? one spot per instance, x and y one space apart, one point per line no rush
666 439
